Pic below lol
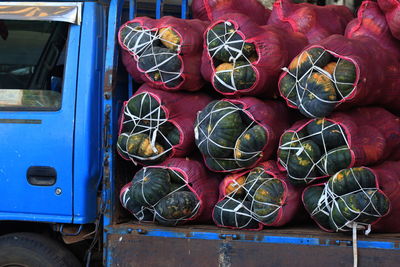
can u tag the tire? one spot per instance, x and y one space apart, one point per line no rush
34 250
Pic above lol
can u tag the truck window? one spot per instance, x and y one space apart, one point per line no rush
32 57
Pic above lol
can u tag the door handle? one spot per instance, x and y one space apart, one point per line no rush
41 175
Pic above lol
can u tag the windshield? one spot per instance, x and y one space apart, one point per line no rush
31 64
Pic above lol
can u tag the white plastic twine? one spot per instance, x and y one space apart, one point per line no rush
139 46
226 42
302 91
151 129
206 136
298 149
240 203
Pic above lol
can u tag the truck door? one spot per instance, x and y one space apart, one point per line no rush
38 68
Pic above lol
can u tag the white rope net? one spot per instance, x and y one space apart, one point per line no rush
156 55
314 101
146 121
224 46
221 130
150 212
256 200
309 154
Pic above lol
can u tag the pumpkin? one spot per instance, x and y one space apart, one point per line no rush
176 176
330 68
175 207
230 77
288 143
234 186
139 145
140 212
317 96
234 213
171 133
268 199
288 88
311 198
249 146
221 164
307 59
169 38
149 185
361 207
254 179
301 164
121 145
135 38
224 43
160 63
326 134
335 160
179 187
344 76
350 180
217 127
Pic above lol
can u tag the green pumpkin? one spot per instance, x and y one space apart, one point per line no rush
176 207
230 77
289 139
301 167
345 77
335 160
169 79
176 176
171 133
122 145
326 133
217 127
288 88
223 43
268 199
317 97
145 110
221 164
234 213
139 146
307 59
149 185
249 146
361 207
350 180
311 197
254 179
141 213
135 38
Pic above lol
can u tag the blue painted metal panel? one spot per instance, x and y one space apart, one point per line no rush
87 143
48 143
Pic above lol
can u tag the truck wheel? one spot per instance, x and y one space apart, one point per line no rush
34 250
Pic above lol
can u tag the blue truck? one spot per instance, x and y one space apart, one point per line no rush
61 90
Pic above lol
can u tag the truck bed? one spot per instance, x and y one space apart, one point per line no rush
134 244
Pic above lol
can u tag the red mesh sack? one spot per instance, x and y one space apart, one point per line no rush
315 22
391 9
233 135
318 148
165 53
213 9
175 192
156 125
361 68
242 58
257 197
357 198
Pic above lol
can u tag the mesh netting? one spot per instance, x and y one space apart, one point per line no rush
243 58
343 71
237 134
315 22
391 9
212 10
254 198
151 129
164 53
318 148
176 192
351 198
